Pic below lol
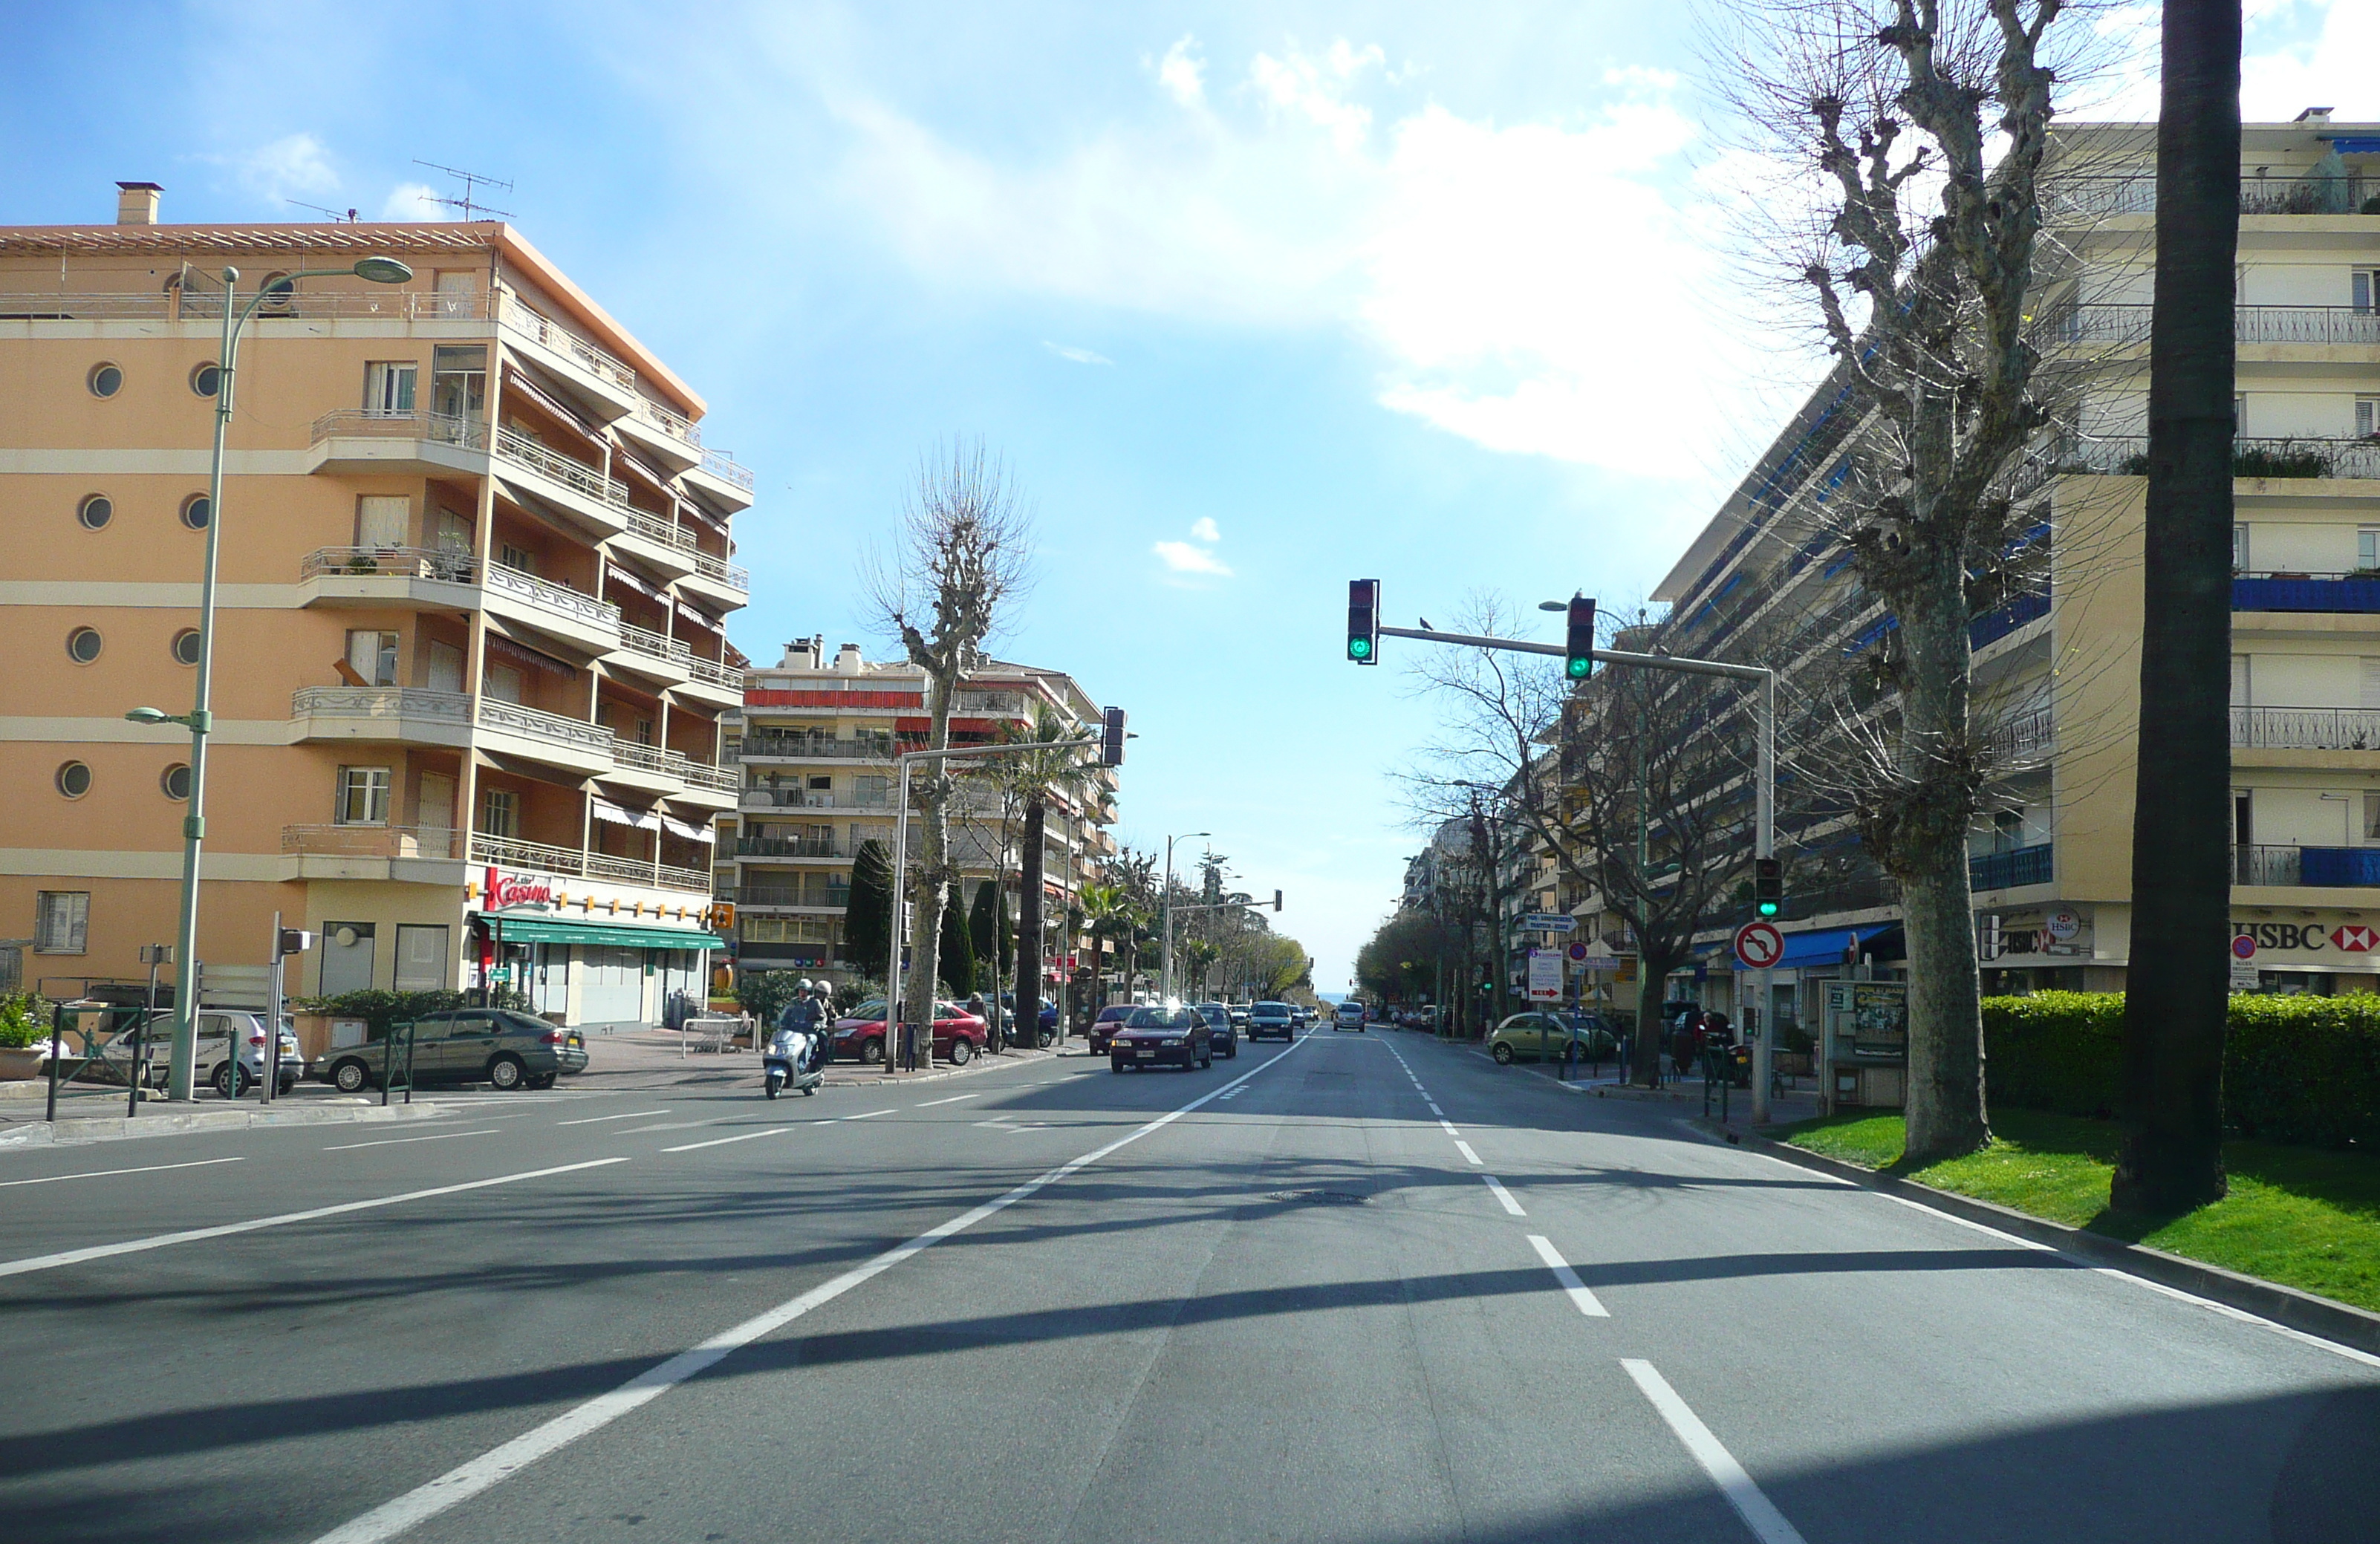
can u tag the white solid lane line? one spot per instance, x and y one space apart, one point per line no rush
102 1174
1466 1150
424 1502
953 1099
748 1136
1758 1512
1503 1195
1588 1304
870 1114
399 1141
591 1120
135 1245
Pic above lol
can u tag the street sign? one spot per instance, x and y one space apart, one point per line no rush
1758 946
1577 951
1544 976
1548 921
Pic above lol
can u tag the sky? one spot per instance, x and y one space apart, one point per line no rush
1253 299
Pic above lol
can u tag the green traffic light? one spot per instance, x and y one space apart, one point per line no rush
1769 908
1359 648
1578 669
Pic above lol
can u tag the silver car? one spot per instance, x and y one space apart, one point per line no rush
219 1030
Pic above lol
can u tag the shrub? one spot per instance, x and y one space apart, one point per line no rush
2295 1069
2284 460
379 1009
764 993
24 1019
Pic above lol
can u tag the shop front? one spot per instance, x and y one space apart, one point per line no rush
587 971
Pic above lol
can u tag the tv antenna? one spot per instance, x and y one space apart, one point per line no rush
469 205
347 218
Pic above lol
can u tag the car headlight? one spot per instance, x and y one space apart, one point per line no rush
1171 1040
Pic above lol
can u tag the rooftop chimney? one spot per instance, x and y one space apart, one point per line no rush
847 660
2315 115
136 203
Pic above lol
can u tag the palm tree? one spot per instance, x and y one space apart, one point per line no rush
1100 905
1042 772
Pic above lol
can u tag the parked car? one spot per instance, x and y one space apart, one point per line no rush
958 1034
1300 1015
1048 1029
1547 1032
1162 1037
1239 1012
1218 1017
1350 1015
217 1031
494 1046
1111 1019
1271 1019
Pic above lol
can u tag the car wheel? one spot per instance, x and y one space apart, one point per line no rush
285 1086
962 1052
230 1080
350 1077
1503 1054
543 1081
505 1072
871 1051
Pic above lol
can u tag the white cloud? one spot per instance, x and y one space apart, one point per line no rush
413 200
1317 88
1203 529
1183 75
2329 67
1181 558
1079 355
294 163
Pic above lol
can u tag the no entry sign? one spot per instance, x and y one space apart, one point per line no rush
1758 946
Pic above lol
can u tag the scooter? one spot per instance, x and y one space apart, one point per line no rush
788 1063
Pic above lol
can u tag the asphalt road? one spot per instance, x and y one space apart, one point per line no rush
1370 1289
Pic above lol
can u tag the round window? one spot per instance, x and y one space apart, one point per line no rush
74 779
95 511
196 511
206 378
176 781
83 644
105 380
186 647
277 290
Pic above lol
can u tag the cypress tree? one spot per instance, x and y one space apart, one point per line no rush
957 966
867 911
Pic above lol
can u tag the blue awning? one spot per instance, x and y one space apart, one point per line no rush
1826 946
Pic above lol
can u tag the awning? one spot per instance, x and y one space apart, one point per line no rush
620 814
677 827
1826 946
544 930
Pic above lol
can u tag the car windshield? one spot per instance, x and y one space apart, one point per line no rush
1268 1009
1149 1019
872 1009
1112 1015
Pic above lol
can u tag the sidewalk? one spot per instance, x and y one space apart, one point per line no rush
656 1059
1789 1103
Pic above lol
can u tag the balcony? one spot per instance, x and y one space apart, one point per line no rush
765 897
660 543
373 302
673 438
567 484
796 747
547 737
2006 870
650 653
726 484
2089 197
811 799
787 847
2305 729
2119 326
356 441
2332 867
2305 591
594 372
404 714
2023 735
430 843
2127 455
512 853
1997 624
718 579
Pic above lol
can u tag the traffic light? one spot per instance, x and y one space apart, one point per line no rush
294 940
1578 650
1112 736
1990 943
1364 621
1276 900
1767 888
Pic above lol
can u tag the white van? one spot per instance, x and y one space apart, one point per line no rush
1349 1016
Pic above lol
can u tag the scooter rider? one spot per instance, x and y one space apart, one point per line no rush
793 1049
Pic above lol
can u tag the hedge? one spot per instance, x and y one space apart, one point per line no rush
2295 1069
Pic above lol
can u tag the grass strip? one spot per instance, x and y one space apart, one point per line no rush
2304 1217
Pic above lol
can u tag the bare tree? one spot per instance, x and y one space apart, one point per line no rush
963 554
1919 127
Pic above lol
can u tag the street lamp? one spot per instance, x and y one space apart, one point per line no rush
1165 993
200 719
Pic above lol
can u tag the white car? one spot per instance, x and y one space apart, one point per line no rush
1349 1016
217 1029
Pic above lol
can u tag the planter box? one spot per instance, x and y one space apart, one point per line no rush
16 1065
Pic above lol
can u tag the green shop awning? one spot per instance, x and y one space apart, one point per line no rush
547 929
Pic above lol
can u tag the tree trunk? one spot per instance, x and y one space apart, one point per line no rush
1645 1048
1028 923
932 892
2175 1011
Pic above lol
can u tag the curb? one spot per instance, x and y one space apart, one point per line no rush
111 1128
2284 1306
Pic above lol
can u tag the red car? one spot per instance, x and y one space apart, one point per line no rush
958 1034
1104 1027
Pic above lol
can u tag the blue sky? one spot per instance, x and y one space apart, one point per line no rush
1254 299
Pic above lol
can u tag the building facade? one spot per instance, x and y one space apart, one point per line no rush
470 651
815 743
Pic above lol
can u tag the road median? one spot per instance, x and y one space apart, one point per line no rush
79 1129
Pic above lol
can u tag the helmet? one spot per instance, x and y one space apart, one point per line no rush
803 985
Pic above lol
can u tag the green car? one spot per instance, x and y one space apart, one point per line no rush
1546 1033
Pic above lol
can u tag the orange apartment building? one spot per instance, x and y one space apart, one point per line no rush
471 655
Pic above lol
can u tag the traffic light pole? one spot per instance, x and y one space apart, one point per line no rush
1763 820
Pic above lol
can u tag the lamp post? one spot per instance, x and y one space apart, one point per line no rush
200 719
1165 990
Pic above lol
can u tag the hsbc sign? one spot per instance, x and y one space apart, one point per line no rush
2304 938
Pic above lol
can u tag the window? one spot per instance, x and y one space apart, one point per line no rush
500 813
505 683
206 379
519 559
105 380
83 644
2363 288
95 511
388 388
73 778
382 520
196 511
2371 814
2367 548
185 646
174 781
2008 830
2367 417
372 655
2238 415
459 381
277 291
870 792
2239 681
2239 547
61 921
421 958
2243 817
445 666
453 532
363 796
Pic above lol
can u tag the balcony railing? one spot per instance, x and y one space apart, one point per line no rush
701 773
720 570
766 895
675 426
630 752
442 428
2097 197
514 446
2296 591
653 528
2119 325
154 305
2023 735
561 599
2126 455
576 734
387 703
637 640
720 465
390 562
529 324
2341 867
512 853
2002 871
1999 622
2305 729
796 747
372 841
787 847
713 672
